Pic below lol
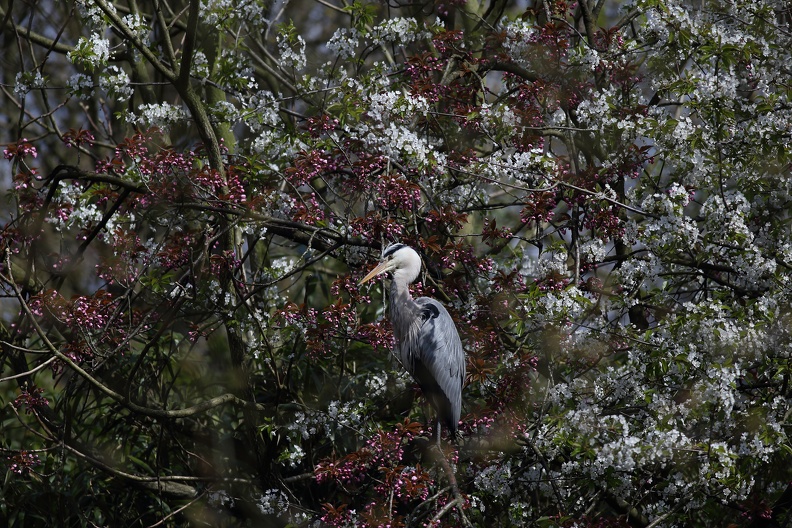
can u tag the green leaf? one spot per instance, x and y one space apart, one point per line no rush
362 14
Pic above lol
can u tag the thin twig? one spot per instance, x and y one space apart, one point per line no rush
179 510
31 371
458 501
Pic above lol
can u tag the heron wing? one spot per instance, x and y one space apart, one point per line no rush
440 360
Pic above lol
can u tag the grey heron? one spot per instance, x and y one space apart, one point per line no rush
427 341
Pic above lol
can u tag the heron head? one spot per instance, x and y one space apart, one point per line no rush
403 260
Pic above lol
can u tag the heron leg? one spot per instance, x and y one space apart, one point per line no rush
437 432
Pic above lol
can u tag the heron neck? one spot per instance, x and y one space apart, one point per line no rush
400 291
402 305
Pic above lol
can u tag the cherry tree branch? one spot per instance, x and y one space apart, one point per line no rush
32 36
130 35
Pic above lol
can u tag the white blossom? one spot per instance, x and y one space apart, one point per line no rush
161 115
214 12
90 52
495 479
376 385
344 42
92 14
81 85
292 54
273 502
137 25
116 82
399 31
24 82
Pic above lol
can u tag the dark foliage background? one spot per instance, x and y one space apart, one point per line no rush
600 193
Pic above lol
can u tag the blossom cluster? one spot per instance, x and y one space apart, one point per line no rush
31 399
382 459
23 462
21 149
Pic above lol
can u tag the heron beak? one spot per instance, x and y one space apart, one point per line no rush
382 267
